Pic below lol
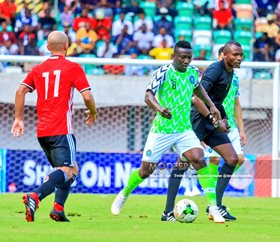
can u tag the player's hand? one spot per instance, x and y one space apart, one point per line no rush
225 121
215 112
18 128
91 117
223 127
242 138
165 112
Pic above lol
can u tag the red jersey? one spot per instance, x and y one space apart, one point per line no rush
54 80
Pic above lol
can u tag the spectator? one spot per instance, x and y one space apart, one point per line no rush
124 42
8 11
143 20
204 7
202 55
86 38
134 70
82 19
107 8
47 23
67 15
143 39
223 17
271 28
72 49
163 52
108 52
5 35
263 48
69 32
163 22
169 4
120 23
264 7
131 6
26 37
8 49
102 26
163 35
26 17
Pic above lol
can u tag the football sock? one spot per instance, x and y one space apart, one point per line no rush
56 178
236 168
63 190
213 171
133 181
173 186
208 184
223 180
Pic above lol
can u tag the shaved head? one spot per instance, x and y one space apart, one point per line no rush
228 46
57 41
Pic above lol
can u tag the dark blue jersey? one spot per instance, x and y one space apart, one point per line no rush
216 81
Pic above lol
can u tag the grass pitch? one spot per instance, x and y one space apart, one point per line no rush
91 220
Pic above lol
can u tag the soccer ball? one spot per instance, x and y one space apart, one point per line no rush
185 211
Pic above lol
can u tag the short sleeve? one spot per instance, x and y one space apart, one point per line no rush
210 76
157 79
80 80
29 81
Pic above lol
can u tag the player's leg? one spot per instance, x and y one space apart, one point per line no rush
173 187
221 144
64 155
155 146
234 137
188 146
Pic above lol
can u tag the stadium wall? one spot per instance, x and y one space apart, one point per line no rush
107 173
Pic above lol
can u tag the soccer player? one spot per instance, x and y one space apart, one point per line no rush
236 134
54 80
170 94
216 80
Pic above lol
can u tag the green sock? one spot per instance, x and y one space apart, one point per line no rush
133 181
236 168
208 184
213 171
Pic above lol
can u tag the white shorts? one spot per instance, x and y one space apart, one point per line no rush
157 144
235 141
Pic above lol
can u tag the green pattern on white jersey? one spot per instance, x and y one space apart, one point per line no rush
229 102
174 91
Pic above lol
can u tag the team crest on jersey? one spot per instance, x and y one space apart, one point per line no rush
148 153
192 79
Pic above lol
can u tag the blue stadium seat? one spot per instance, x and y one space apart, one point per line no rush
202 23
183 22
243 37
221 36
185 9
186 34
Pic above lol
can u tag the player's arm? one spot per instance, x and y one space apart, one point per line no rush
239 120
204 100
90 104
18 125
152 102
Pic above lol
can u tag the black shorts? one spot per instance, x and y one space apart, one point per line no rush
60 150
216 138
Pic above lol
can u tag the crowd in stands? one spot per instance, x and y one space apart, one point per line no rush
142 29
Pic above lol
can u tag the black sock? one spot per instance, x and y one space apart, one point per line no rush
173 187
56 178
223 180
63 190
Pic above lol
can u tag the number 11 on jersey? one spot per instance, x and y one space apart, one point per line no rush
46 75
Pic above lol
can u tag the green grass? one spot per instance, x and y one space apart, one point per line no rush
91 220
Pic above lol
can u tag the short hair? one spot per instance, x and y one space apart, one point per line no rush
229 44
221 50
183 44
